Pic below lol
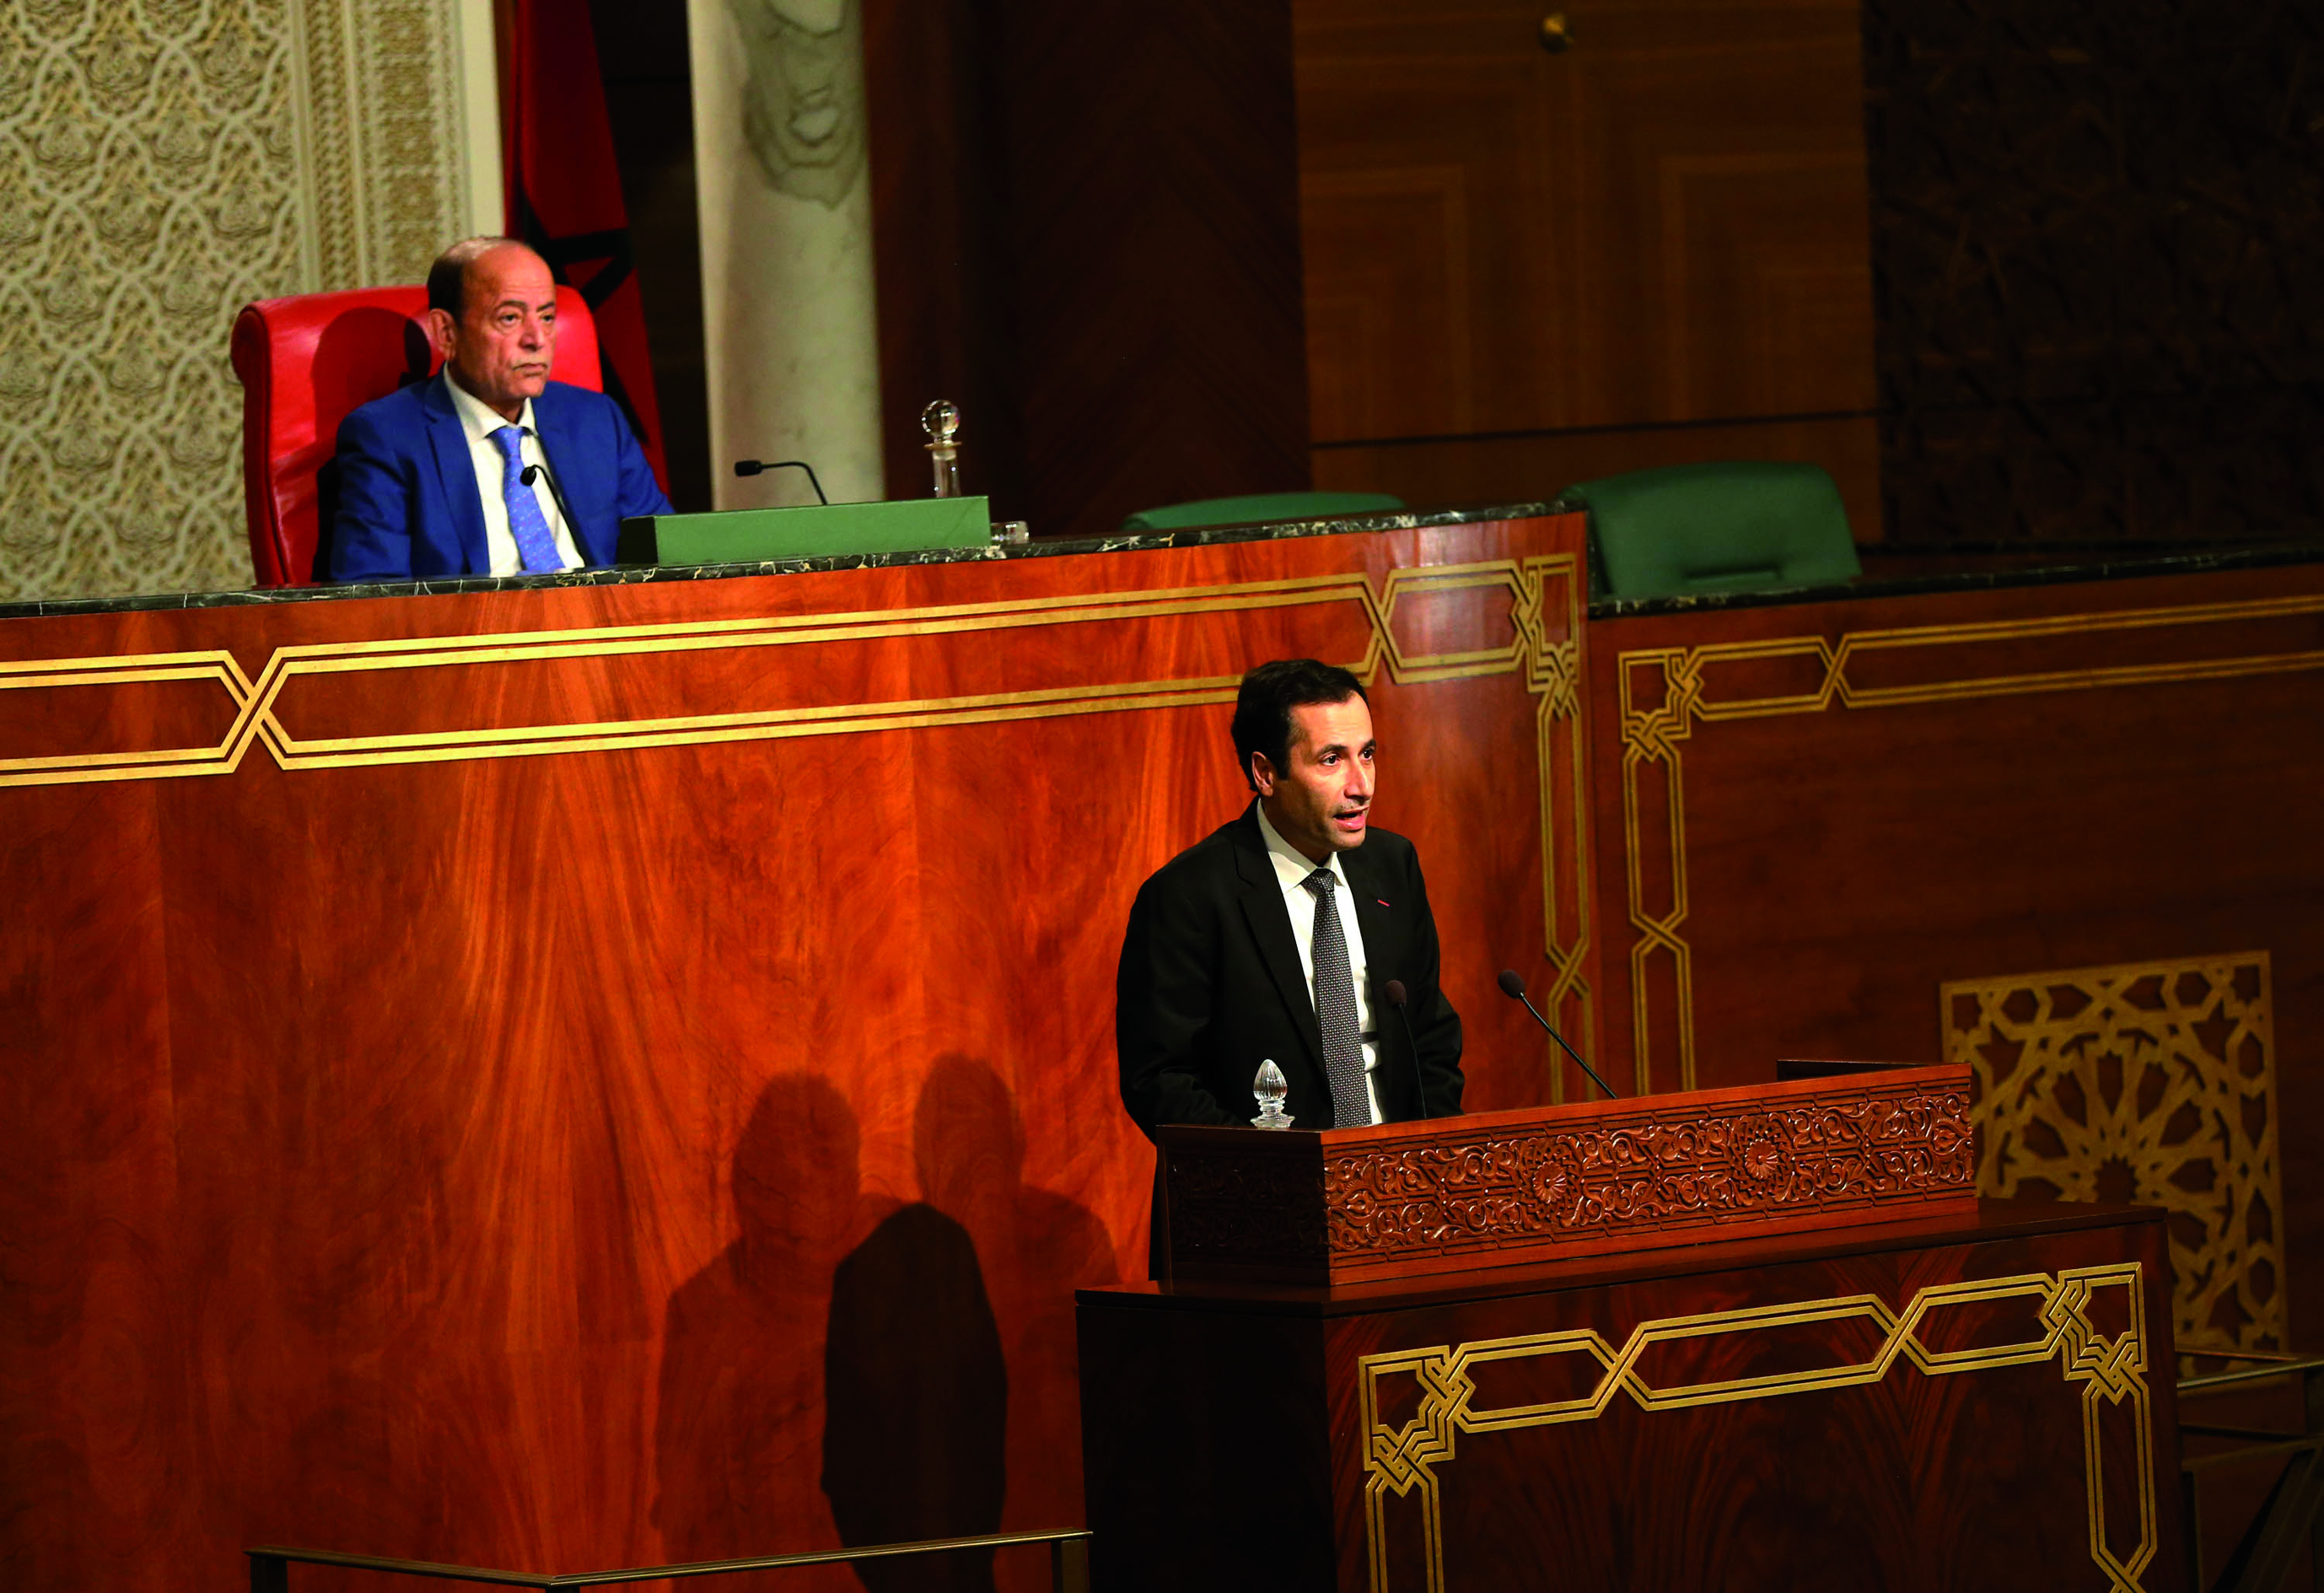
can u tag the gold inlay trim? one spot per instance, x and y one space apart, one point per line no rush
1546 595
221 757
2107 1370
1553 588
262 717
1664 691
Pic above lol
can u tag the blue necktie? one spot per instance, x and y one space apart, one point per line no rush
534 545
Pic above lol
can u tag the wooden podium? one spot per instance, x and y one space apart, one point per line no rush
1733 1340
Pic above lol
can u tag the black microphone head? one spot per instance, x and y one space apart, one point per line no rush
529 474
1511 985
1394 990
748 466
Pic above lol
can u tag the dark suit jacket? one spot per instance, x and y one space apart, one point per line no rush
1210 985
408 504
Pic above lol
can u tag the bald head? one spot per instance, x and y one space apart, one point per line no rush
492 309
447 278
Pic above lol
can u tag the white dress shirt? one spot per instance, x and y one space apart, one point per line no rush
480 420
1292 866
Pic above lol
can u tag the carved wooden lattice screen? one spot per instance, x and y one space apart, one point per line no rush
2147 1082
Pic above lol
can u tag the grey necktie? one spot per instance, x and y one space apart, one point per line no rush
1335 1009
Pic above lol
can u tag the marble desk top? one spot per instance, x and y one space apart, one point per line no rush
2003 565
629 574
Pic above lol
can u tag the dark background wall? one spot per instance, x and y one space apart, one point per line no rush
1086 213
2095 253
2098 255
1528 267
641 52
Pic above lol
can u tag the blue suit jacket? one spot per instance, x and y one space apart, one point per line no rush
409 504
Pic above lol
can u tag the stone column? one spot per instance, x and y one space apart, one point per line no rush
788 312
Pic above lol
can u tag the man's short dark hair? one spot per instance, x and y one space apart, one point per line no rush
447 279
1262 715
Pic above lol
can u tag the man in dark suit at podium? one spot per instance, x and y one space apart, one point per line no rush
431 477
1278 936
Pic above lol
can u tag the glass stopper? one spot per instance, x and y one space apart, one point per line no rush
1268 1088
941 421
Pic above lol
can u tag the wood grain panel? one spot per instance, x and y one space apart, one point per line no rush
101 1415
1840 1470
941 258
1390 324
1668 221
468 1159
1156 227
1976 1479
1088 215
1984 783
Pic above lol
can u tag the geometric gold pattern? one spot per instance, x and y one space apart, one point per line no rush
2147 1082
2107 1371
1664 692
1549 621
267 711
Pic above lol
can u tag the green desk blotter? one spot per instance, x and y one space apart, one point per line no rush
817 530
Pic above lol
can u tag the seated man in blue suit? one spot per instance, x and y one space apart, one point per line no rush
431 476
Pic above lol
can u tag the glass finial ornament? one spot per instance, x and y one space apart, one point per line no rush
1269 1089
941 421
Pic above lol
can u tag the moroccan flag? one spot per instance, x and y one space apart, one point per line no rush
564 194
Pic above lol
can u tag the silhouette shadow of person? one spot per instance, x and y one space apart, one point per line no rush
741 1373
916 1402
1038 1247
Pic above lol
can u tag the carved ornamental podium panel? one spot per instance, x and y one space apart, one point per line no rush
1405 1200
1763 1338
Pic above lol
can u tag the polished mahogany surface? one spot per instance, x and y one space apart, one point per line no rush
1813 817
1979 1404
574 1076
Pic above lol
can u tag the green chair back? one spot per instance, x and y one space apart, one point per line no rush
1717 528
1260 506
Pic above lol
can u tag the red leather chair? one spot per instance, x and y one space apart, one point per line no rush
304 363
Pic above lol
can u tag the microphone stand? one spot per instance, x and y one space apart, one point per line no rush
572 526
758 466
1395 991
1514 988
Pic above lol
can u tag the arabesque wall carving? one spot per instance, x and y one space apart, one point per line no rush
2148 1082
161 163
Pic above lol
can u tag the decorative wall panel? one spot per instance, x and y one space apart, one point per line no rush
1657 696
2103 1370
1610 1176
2150 1081
161 163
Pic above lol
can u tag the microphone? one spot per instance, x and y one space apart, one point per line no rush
757 466
1395 992
572 526
1514 988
